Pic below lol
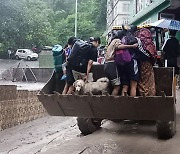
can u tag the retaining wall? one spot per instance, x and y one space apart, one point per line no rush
18 106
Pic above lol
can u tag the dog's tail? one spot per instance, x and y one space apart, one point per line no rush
104 79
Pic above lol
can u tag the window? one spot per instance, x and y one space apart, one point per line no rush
125 8
139 5
147 2
146 22
167 16
125 21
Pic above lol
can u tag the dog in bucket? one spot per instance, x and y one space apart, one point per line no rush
100 87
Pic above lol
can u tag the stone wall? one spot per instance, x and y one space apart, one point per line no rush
18 106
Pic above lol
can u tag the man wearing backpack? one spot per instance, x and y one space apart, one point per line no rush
81 60
110 67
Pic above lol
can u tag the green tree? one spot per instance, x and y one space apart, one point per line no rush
25 23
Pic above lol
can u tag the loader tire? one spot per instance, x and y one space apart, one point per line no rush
88 125
166 129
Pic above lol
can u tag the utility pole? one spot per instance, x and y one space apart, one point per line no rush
76 20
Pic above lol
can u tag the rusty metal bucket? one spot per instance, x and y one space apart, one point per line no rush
159 108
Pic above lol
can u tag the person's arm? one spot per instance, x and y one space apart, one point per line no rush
89 66
165 49
123 46
93 58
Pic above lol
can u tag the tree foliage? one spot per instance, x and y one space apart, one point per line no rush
28 23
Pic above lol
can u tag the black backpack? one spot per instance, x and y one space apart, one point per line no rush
130 38
80 55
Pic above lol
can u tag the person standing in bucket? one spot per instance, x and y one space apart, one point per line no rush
147 56
66 72
110 67
171 51
81 60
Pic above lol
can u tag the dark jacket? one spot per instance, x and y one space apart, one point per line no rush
171 48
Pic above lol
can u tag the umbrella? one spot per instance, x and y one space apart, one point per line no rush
167 23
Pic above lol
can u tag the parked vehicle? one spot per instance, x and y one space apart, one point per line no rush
91 110
26 54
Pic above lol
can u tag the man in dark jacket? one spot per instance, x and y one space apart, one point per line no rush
84 71
171 51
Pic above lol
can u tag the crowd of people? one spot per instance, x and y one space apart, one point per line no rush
76 65
128 61
130 56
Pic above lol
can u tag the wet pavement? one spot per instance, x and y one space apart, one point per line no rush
7 64
10 63
60 135
35 136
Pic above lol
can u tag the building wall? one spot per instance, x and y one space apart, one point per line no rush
146 11
117 13
17 107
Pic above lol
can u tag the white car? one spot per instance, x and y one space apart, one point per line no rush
26 54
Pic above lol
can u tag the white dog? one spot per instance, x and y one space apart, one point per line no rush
92 88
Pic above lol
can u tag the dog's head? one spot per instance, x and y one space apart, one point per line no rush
78 85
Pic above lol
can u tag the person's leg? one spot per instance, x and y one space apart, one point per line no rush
122 70
65 90
115 91
111 73
124 90
133 75
70 90
146 85
70 81
133 85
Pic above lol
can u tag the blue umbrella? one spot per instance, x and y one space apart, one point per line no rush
167 23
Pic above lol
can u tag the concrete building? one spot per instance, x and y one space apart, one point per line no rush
117 13
149 11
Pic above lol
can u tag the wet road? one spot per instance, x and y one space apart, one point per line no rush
60 135
6 64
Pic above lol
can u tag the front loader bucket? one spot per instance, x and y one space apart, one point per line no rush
159 107
138 108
